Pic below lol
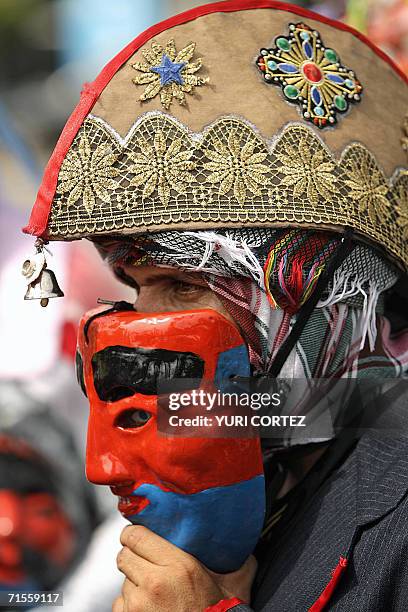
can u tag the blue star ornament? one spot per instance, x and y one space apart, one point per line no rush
170 72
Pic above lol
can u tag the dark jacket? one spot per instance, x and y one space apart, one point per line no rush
359 513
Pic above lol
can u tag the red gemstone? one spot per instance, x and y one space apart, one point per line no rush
312 72
261 64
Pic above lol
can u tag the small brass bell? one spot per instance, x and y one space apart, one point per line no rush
44 288
42 283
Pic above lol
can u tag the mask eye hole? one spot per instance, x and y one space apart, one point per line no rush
132 419
80 372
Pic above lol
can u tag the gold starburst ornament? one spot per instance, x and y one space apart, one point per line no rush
169 73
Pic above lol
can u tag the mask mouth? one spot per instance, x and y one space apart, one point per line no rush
129 504
132 504
124 491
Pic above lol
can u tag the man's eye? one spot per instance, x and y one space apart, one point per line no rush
184 288
131 419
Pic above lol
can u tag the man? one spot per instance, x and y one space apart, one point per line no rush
46 512
234 159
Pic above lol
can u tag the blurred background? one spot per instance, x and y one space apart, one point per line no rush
48 49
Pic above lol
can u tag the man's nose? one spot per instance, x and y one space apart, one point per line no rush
104 453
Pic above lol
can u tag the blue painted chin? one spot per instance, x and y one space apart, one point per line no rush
219 526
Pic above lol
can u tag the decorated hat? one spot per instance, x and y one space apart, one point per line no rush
238 113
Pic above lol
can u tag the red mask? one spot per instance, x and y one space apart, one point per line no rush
32 522
205 495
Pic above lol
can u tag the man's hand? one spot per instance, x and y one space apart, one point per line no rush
160 577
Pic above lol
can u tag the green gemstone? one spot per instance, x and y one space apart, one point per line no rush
331 55
272 65
291 92
283 44
340 103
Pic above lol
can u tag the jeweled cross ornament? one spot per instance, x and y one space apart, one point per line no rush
310 75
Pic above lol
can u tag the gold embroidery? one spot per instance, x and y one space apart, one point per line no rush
236 166
164 177
368 187
87 174
168 73
401 192
202 195
278 197
310 173
161 167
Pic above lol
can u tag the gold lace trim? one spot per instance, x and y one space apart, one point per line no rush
162 176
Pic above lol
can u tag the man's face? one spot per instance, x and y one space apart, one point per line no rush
167 289
189 490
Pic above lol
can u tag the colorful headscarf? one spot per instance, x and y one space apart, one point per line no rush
263 276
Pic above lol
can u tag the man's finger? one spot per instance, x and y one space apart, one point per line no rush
133 566
118 605
129 590
150 546
134 599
